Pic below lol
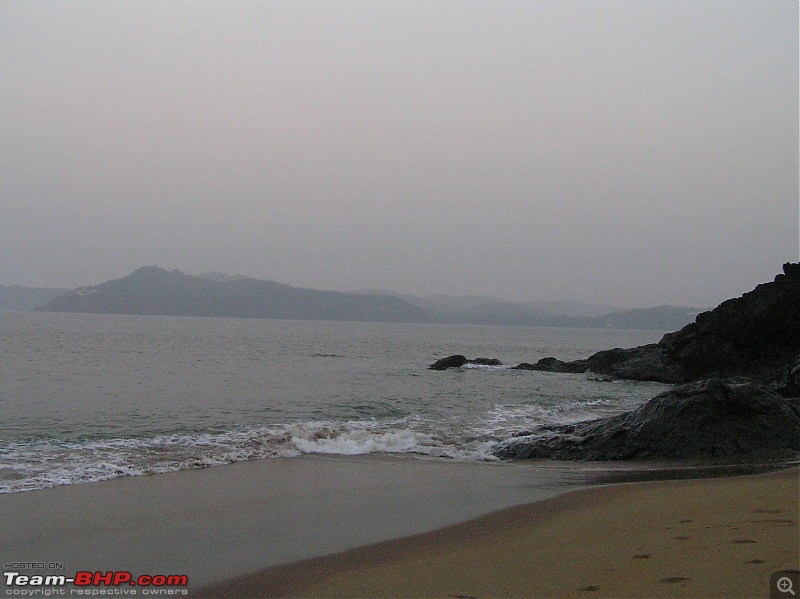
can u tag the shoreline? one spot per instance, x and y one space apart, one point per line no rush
693 537
213 524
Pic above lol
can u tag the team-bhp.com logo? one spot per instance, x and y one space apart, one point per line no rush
88 582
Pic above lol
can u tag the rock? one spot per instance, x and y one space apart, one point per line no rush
756 335
646 363
707 418
457 361
787 383
554 365
527 366
486 362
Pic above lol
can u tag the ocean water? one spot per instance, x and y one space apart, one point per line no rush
87 397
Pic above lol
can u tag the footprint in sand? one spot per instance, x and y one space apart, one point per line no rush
682 538
642 556
742 541
764 511
757 561
779 521
673 579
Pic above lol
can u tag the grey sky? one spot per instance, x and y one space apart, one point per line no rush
619 152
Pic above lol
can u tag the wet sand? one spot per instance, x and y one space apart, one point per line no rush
681 538
218 523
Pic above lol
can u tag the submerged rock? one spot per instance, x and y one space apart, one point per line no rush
707 418
554 365
485 362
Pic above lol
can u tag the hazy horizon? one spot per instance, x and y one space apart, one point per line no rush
619 153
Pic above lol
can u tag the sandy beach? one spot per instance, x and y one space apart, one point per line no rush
721 537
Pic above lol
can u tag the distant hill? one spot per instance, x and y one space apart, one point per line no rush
567 308
220 277
470 309
17 297
489 310
662 318
510 313
155 291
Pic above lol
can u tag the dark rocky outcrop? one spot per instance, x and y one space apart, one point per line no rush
756 335
645 363
787 383
457 361
554 365
708 418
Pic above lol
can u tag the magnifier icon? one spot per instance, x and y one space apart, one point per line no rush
784 585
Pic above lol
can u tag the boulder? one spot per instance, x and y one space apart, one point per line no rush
455 361
707 418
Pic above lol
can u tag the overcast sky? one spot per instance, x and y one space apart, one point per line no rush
626 153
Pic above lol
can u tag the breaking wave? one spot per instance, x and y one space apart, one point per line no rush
38 464
32 465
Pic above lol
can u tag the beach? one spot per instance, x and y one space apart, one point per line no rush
218 523
681 538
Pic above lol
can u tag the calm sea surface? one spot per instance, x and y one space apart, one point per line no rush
87 397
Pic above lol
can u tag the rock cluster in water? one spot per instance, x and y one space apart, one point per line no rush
734 364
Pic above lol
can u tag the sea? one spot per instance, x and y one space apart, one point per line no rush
91 397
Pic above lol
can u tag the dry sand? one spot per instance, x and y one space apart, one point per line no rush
688 538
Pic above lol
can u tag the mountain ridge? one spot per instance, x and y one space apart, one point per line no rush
151 290
20 297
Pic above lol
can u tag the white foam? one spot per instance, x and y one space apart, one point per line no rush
42 464
504 420
352 439
469 366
